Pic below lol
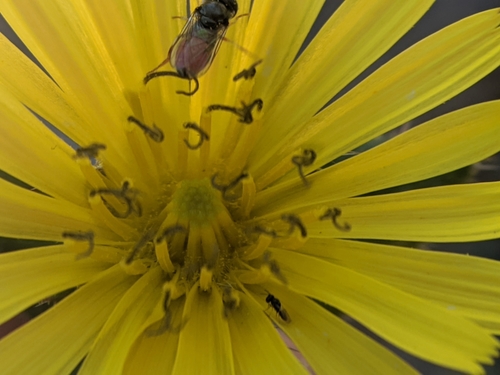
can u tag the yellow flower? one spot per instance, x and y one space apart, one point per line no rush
186 243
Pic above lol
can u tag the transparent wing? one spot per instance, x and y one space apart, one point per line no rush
195 48
213 48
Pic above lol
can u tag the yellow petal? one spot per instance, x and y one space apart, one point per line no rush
218 87
33 154
34 274
458 213
357 34
257 346
419 327
63 38
25 214
155 354
492 327
56 341
32 87
110 349
419 79
288 22
156 30
114 24
330 345
205 336
441 145
463 284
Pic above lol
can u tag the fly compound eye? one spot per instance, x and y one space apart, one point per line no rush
208 23
231 6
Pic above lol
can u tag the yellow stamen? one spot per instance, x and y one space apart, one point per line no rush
178 241
194 242
247 197
194 164
238 158
235 128
206 126
107 254
279 169
175 288
206 278
97 181
163 160
293 242
116 225
136 267
77 247
163 256
168 219
231 299
182 155
234 131
142 154
252 277
229 228
92 175
257 249
221 239
209 245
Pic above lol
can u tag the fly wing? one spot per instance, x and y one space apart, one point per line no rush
213 47
185 34
194 50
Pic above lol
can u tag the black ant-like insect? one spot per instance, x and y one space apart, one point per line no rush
276 305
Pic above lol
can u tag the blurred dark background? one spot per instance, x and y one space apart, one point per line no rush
442 13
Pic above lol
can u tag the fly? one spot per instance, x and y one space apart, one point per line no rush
276 305
195 48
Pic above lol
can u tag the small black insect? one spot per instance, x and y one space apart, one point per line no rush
276 305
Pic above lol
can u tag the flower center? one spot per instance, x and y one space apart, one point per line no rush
193 239
188 210
196 201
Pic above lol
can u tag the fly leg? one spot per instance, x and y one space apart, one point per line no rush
154 74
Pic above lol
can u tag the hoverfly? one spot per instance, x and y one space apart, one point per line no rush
194 50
